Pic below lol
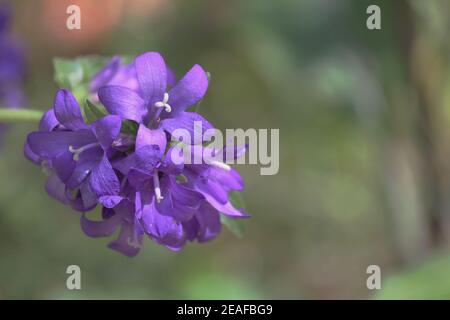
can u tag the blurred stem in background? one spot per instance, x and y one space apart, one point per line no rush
417 152
8 115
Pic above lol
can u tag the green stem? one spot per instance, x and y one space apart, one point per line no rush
19 115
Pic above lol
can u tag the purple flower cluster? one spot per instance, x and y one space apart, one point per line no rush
133 176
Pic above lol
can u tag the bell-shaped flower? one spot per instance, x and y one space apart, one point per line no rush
78 152
154 103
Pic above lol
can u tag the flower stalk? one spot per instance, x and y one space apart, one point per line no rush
8 115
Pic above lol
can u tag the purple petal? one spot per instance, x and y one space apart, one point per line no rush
184 196
67 110
123 102
139 179
86 162
209 223
115 73
182 210
103 179
103 228
144 159
106 130
76 201
56 188
210 187
88 196
165 206
151 72
48 121
126 77
110 201
191 228
104 75
179 212
50 144
146 137
215 194
226 208
173 162
230 179
194 123
30 155
128 243
163 229
138 205
189 90
64 165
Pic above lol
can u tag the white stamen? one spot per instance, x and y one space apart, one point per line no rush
220 165
164 104
166 97
77 152
158 195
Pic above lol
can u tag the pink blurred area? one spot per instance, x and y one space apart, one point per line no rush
99 19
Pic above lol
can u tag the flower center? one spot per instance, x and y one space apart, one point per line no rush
163 103
158 195
77 152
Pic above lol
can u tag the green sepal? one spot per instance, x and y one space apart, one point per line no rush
235 225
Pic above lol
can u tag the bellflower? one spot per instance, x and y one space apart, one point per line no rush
142 182
54 186
155 103
169 212
115 72
78 152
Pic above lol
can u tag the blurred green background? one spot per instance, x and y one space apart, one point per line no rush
364 119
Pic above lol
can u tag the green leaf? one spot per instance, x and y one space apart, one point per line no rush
427 280
68 73
91 65
93 112
181 178
76 74
235 225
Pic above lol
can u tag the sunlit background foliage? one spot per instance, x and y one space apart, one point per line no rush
364 119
